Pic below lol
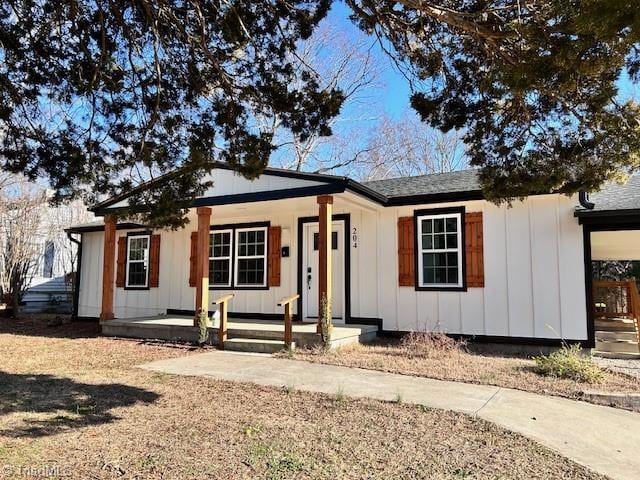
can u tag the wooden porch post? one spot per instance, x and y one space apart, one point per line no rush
324 256
108 267
202 272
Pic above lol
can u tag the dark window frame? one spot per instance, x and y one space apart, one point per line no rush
145 233
232 274
417 214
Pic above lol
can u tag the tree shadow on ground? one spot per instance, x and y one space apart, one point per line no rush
38 326
55 404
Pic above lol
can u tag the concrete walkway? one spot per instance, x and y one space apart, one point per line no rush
604 439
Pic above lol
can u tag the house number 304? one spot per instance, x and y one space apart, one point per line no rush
354 237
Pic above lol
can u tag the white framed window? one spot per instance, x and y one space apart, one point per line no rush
220 252
138 261
440 250
250 268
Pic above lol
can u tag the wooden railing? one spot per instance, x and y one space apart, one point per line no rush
223 309
635 307
288 327
617 299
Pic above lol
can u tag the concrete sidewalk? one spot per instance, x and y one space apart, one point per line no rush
604 439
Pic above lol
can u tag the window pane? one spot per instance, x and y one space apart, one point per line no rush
428 260
452 275
438 241
137 247
220 244
452 224
137 274
427 242
219 272
452 260
429 275
441 275
427 225
334 240
452 240
438 225
250 271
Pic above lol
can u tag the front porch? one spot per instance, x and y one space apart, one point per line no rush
263 336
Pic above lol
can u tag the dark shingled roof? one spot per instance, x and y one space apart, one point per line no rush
450 182
618 197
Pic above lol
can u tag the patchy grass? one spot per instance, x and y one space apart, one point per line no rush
430 356
74 403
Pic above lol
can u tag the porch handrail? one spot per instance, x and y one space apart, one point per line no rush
222 327
288 327
635 307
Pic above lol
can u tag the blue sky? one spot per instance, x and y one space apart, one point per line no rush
395 91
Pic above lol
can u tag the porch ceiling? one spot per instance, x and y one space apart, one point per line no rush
303 207
615 245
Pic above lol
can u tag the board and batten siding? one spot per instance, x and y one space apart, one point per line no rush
533 271
533 268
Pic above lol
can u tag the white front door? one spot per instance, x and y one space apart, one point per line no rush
310 270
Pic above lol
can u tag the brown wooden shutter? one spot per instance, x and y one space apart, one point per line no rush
121 270
154 262
193 259
406 252
273 259
474 250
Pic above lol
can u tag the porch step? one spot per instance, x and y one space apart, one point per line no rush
617 325
618 355
255 345
617 346
605 335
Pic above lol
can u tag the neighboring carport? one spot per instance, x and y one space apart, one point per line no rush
611 223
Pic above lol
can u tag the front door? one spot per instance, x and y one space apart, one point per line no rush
310 260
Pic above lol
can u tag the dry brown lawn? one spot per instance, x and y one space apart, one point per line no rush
74 405
463 365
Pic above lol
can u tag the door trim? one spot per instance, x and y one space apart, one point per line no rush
346 219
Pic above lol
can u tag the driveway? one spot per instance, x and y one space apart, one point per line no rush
607 440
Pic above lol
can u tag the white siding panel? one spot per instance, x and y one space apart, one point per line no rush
496 287
472 312
387 275
519 276
545 274
449 312
571 257
428 311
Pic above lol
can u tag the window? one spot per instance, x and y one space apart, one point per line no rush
138 261
251 257
49 253
220 258
334 240
440 250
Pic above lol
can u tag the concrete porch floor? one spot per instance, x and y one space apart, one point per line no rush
179 328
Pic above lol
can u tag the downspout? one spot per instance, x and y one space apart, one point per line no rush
583 198
76 281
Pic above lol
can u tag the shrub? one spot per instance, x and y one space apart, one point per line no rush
429 344
569 362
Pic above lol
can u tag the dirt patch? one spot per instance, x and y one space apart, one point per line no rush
461 365
78 407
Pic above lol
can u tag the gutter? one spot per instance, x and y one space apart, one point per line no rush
583 198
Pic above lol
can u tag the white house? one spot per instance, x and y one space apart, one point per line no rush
413 253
